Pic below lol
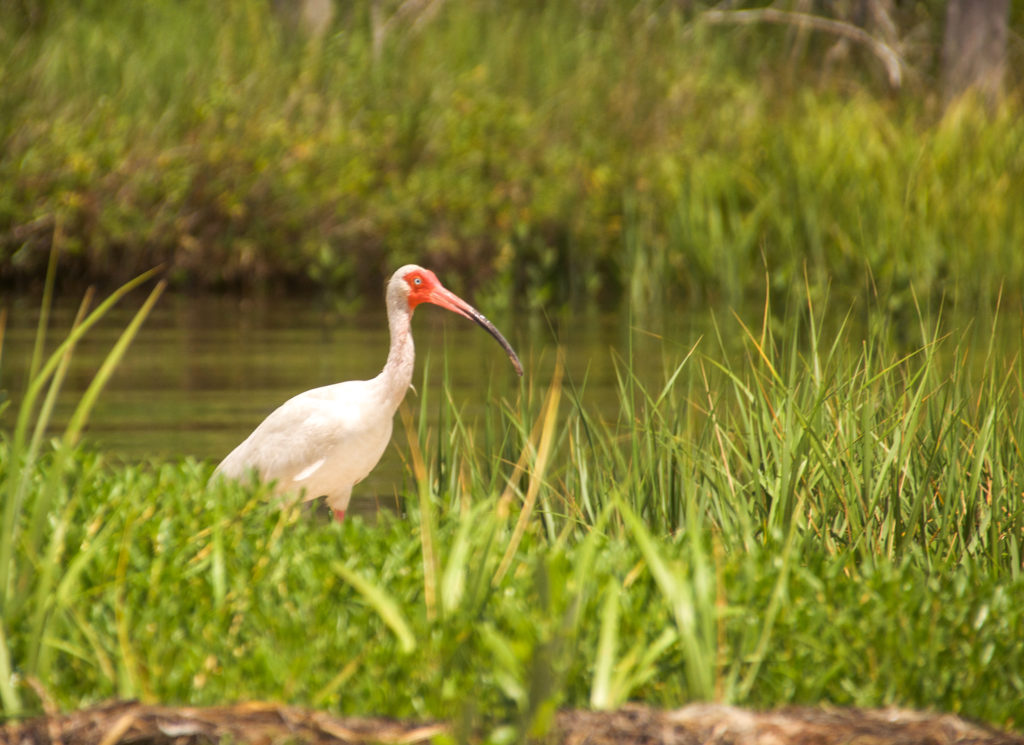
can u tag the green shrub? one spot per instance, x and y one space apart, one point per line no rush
545 154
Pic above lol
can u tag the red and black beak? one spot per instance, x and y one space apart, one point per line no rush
439 295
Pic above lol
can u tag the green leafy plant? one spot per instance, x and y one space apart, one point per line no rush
36 577
797 510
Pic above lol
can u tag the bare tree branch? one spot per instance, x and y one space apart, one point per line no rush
886 54
420 11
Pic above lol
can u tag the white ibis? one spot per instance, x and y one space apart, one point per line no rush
326 440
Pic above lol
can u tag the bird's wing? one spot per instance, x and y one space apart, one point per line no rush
297 438
309 470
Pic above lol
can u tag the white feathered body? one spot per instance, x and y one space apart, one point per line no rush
324 441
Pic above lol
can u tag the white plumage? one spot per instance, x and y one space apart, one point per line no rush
326 440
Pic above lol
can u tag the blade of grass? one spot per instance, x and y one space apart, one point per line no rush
692 612
385 605
48 494
37 382
601 696
549 415
8 692
42 504
45 304
110 363
16 483
428 531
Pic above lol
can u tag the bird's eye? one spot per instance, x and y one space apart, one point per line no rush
417 280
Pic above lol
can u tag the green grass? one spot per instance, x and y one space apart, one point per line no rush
808 507
29 539
793 516
541 153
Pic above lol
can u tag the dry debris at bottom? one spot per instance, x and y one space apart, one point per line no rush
132 723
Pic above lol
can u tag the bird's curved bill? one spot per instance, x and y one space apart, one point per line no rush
447 299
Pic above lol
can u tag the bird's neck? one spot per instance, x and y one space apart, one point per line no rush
396 376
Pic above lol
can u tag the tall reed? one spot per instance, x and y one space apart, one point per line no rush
796 511
545 153
35 575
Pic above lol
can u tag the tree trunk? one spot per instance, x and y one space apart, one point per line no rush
974 48
311 17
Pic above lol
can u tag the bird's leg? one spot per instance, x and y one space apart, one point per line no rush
339 515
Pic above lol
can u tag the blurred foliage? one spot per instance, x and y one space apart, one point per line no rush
806 520
542 152
800 512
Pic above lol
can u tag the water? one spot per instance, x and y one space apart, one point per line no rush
204 371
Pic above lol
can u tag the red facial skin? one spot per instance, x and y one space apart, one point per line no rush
424 287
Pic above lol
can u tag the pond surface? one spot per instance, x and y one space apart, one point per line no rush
204 371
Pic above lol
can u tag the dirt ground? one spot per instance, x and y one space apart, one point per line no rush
132 723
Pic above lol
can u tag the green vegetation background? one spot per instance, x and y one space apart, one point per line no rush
808 518
539 152
808 511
